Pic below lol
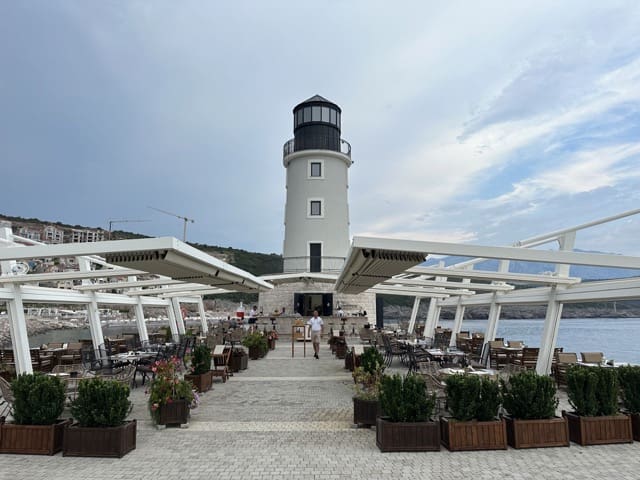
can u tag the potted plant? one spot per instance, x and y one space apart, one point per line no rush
257 345
473 402
406 424
200 374
101 430
366 407
170 398
531 402
629 378
238 359
593 393
36 429
272 336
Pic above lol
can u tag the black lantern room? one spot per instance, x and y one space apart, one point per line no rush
316 125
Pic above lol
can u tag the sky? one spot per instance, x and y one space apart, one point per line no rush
476 122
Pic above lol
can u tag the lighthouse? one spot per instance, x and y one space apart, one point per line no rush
317 162
316 219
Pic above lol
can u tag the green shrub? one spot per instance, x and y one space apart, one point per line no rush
200 360
370 360
39 399
592 391
367 384
101 403
256 340
470 397
629 378
529 396
405 399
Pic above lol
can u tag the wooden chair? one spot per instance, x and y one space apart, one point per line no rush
563 361
497 357
515 343
528 359
73 354
220 357
40 362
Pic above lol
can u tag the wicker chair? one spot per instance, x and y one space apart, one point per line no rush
6 404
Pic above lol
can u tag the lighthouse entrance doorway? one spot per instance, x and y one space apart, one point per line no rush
306 303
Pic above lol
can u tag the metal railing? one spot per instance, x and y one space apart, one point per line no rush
320 142
301 264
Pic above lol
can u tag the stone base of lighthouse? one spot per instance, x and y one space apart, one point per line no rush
301 298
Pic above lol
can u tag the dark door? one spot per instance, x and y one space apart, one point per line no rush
315 257
298 303
327 304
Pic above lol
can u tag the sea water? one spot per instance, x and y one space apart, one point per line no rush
617 338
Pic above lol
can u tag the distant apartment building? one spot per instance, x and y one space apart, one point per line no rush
30 233
52 234
82 236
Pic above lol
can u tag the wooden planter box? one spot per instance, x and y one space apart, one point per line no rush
32 439
202 382
635 425
550 432
99 441
254 353
341 350
272 344
407 437
174 413
365 412
464 436
599 430
238 362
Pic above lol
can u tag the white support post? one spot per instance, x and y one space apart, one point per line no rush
93 314
430 323
203 316
494 315
175 302
172 324
414 314
18 331
457 322
142 326
549 334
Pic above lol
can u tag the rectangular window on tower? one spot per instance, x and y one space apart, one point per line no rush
316 169
315 208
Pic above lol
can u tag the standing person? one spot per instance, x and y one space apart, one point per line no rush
316 331
253 315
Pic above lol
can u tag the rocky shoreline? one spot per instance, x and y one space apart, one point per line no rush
36 326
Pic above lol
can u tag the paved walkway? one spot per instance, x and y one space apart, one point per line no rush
287 418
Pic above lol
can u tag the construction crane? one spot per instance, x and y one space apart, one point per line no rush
111 222
186 220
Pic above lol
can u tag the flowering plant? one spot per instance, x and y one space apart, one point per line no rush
272 335
167 386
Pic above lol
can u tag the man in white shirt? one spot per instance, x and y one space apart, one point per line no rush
316 331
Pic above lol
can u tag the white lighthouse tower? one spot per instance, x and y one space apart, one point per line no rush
317 160
316 234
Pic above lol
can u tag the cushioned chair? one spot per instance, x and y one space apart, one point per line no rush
563 361
592 357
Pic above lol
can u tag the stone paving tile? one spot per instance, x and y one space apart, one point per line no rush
289 418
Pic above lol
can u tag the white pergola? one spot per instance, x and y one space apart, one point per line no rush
181 274
393 266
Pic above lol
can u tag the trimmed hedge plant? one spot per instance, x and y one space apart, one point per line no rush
471 397
200 360
39 399
371 359
405 399
629 379
529 396
593 391
101 403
